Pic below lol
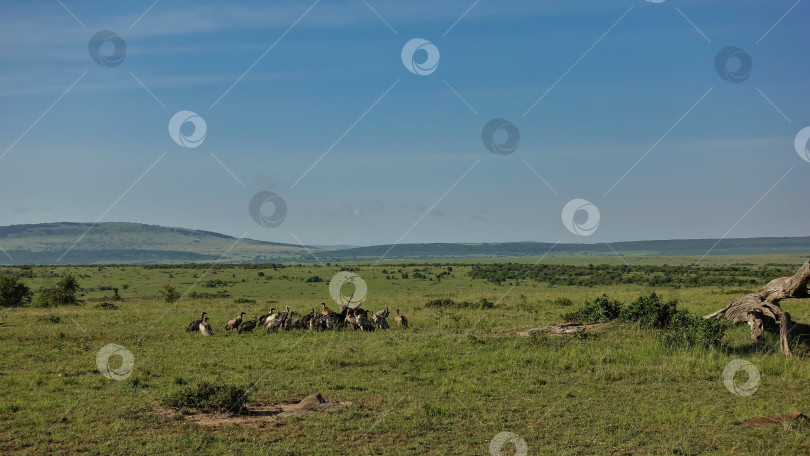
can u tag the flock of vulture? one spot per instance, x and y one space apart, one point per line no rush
355 318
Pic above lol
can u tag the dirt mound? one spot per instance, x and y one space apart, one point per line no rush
795 417
256 415
564 328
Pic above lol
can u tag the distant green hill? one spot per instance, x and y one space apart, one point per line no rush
135 243
132 243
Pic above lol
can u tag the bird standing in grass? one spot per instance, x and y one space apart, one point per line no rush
234 323
247 326
263 318
308 317
273 323
401 320
363 321
205 328
383 313
351 320
194 326
379 321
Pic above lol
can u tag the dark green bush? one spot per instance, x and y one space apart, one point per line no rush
679 327
445 302
562 302
693 331
13 293
51 318
169 294
682 328
651 312
210 397
106 305
64 293
314 279
482 303
599 310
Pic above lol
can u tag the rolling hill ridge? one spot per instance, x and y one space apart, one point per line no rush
135 243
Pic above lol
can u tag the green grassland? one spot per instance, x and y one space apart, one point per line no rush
448 385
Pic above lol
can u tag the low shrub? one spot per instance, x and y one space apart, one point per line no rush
599 310
169 294
694 331
482 303
210 397
50 318
678 327
651 312
64 293
106 306
562 302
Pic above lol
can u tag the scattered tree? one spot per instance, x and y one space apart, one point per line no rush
64 293
169 294
14 293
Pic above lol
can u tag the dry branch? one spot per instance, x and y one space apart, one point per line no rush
762 308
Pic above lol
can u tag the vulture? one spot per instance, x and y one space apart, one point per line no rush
194 326
205 328
264 317
379 321
351 320
247 326
401 320
341 317
234 324
306 319
273 323
325 310
383 313
363 322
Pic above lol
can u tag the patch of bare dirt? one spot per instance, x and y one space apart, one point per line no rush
565 328
257 415
795 418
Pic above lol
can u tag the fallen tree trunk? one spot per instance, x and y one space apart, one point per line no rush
762 308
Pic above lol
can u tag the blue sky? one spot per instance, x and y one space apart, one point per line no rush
619 77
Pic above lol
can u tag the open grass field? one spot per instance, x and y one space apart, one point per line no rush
448 385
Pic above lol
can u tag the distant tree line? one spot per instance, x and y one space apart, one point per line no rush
658 275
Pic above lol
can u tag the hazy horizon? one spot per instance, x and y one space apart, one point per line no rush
617 103
580 240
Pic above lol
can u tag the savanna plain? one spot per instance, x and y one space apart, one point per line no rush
456 378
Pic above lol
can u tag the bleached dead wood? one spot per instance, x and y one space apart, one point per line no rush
762 307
